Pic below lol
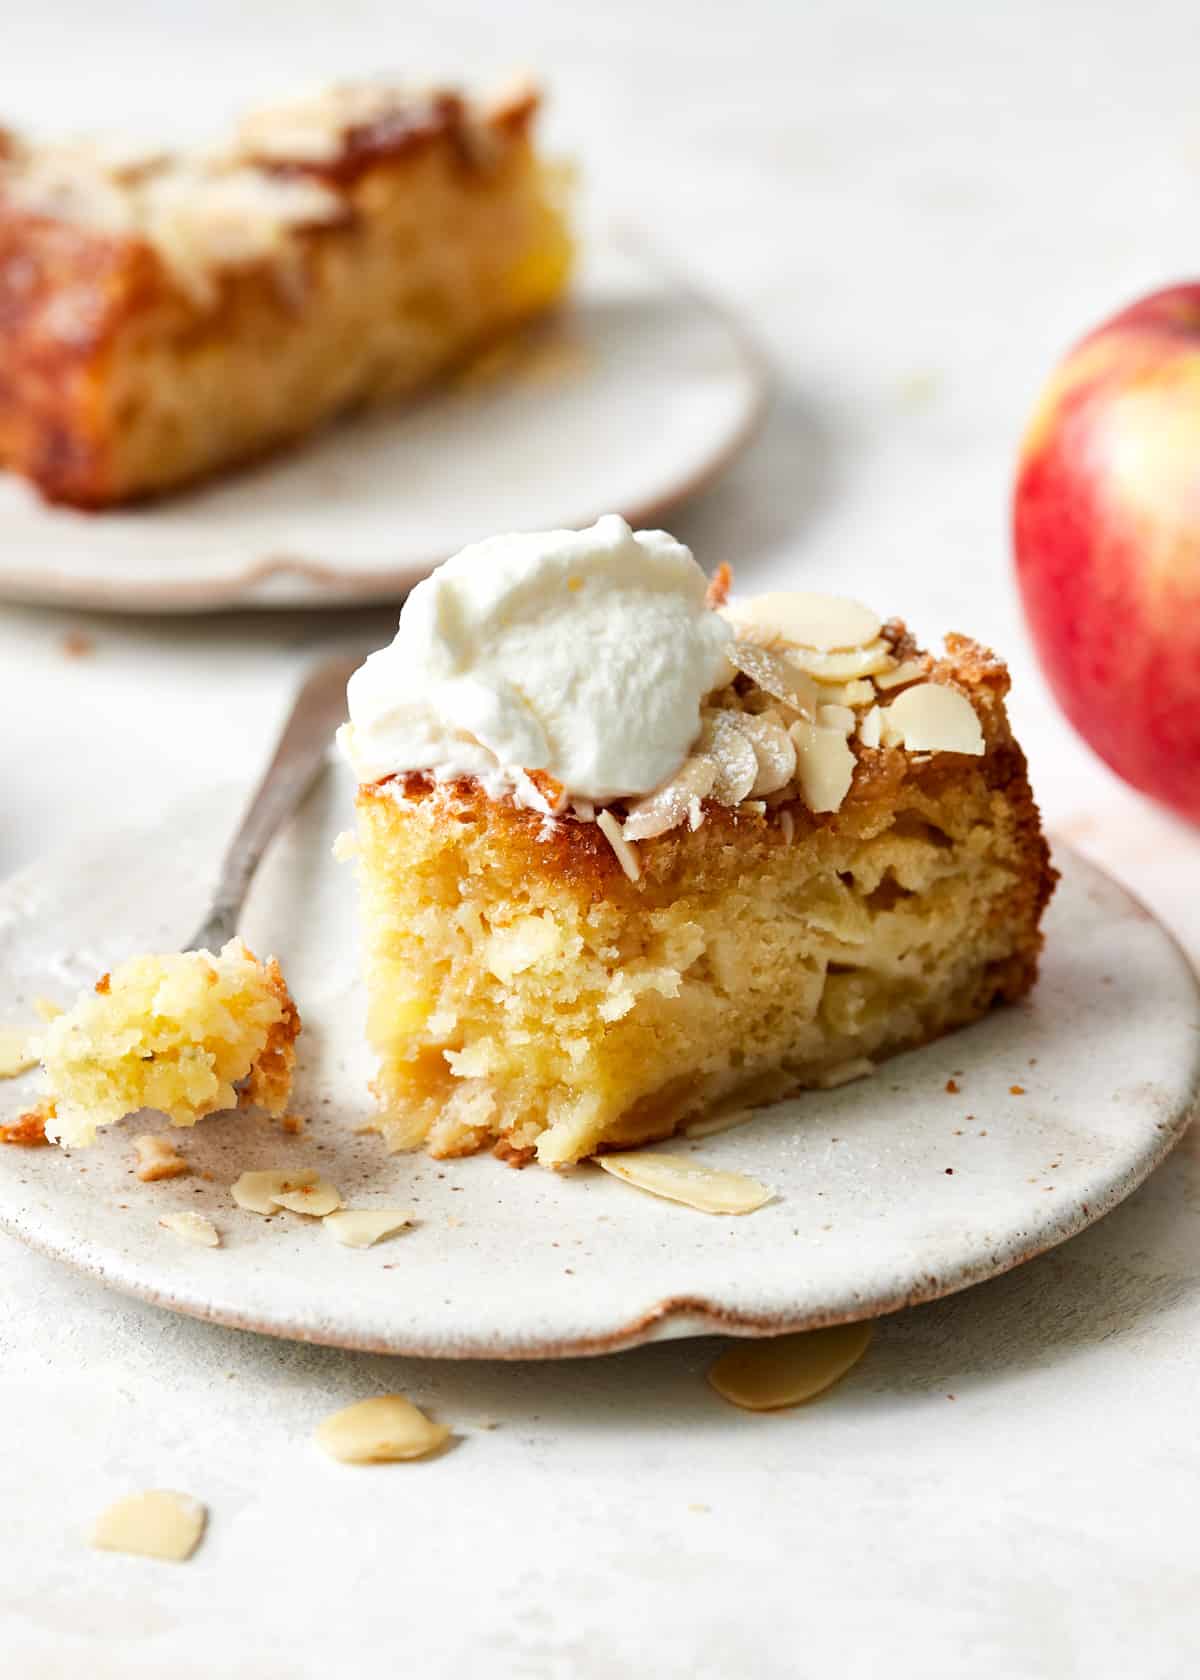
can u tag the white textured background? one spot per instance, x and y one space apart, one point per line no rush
916 207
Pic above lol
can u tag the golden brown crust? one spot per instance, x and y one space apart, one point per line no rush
269 1084
86 314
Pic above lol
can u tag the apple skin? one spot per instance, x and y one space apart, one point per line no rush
1106 531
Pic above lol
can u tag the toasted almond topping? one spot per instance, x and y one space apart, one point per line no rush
16 1052
787 1370
860 692
158 1524
707 1189
193 1228
611 829
773 749
299 1189
822 622
933 718
361 1227
787 826
870 730
858 1068
732 751
157 1157
665 809
840 718
824 766
776 676
907 671
380 1431
46 1009
843 667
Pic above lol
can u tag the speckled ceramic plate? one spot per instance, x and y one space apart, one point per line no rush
887 1192
630 399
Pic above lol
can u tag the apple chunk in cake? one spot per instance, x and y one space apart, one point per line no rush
848 863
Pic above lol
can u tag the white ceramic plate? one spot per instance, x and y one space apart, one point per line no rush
888 1192
630 399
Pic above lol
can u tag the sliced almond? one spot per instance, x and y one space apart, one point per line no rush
843 667
787 1370
933 718
192 1228
787 826
860 692
612 831
300 1189
845 1072
907 671
157 1524
823 622
16 1052
362 1227
384 1430
666 809
870 730
157 1157
773 749
840 718
732 751
775 676
824 766
707 1189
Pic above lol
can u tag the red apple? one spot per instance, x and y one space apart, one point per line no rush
1106 523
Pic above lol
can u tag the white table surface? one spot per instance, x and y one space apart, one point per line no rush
916 207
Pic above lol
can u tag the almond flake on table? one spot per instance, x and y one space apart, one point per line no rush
364 1227
157 1524
765 1376
384 1430
707 1189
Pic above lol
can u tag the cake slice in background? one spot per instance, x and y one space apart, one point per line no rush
627 853
164 316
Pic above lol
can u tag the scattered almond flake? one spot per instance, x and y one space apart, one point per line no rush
774 751
840 718
907 671
775 676
292 1124
860 692
788 1370
710 1124
822 622
933 718
300 1189
345 846
674 1177
824 766
608 825
787 826
157 1157
732 751
363 1227
16 1052
858 1068
870 730
193 1228
843 667
666 809
158 1524
383 1430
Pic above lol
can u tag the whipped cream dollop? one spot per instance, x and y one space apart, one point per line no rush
584 654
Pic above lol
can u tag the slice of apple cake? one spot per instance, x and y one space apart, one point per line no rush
628 852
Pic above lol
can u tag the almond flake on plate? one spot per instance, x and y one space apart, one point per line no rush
16 1053
845 1073
823 622
363 1227
764 1376
301 1190
192 1228
157 1157
383 1430
933 718
707 1189
157 1524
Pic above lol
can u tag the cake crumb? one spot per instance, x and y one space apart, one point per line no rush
16 1054
157 1157
28 1130
293 1124
953 1087
1017 1090
77 644
46 1009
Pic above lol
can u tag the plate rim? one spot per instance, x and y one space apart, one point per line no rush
681 1315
